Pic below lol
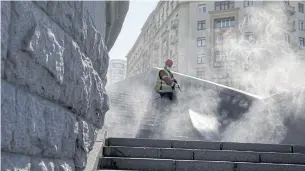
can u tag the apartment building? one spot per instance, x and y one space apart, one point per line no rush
158 39
116 71
190 33
297 35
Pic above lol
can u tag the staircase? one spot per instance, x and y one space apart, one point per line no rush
172 155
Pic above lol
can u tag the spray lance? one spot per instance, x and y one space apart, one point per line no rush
178 86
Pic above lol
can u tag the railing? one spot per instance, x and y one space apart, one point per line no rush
174 23
291 26
290 9
173 40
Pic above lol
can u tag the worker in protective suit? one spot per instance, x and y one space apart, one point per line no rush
166 83
165 86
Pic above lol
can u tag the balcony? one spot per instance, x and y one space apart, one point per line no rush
156 46
173 40
291 26
174 23
165 32
290 9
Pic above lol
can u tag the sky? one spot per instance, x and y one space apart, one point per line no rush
136 16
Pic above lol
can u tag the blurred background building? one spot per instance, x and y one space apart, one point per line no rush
190 31
116 71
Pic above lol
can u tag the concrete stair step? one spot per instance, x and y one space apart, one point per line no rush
155 164
202 154
113 170
138 142
141 142
118 163
269 167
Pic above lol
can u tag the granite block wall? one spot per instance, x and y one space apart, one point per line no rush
54 62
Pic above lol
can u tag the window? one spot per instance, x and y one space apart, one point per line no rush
248 3
158 22
167 7
301 25
201 42
217 57
287 38
225 22
219 39
247 19
249 36
116 71
301 7
202 8
121 66
162 15
224 5
200 59
200 74
230 56
201 25
302 41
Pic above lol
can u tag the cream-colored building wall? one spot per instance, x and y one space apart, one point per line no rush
194 51
147 51
182 53
178 41
297 17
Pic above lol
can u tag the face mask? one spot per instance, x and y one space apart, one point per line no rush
168 68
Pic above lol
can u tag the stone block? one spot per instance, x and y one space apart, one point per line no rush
8 115
196 145
67 14
43 164
75 19
45 59
257 147
5 22
299 149
196 165
65 165
137 142
86 136
177 154
71 132
268 167
284 158
35 126
12 162
85 142
85 91
221 155
136 164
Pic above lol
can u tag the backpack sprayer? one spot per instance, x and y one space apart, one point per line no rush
155 98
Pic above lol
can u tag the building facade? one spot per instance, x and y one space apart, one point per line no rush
116 71
192 33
